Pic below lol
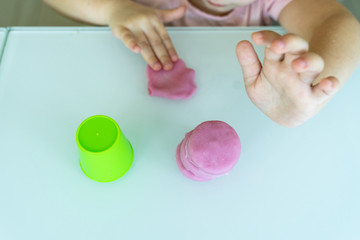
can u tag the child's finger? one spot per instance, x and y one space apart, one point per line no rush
290 43
166 40
309 65
291 46
249 62
265 38
127 37
326 88
147 51
159 49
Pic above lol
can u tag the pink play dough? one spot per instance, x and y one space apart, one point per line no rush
178 83
211 150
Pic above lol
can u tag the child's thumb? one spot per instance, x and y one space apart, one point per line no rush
169 15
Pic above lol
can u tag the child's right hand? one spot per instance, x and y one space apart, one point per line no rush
142 31
289 87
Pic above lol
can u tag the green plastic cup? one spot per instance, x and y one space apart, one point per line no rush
105 153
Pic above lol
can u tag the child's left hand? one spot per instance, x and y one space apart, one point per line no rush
286 88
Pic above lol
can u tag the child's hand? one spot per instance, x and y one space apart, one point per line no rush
286 87
142 31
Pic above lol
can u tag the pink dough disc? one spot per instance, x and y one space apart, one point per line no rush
186 168
211 150
214 147
178 83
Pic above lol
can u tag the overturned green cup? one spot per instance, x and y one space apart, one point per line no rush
105 153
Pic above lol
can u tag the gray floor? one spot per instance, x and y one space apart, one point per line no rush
35 13
353 6
30 13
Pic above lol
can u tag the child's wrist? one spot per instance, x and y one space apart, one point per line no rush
112 6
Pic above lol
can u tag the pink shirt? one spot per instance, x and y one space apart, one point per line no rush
258 13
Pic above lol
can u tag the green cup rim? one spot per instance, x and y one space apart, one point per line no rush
106 150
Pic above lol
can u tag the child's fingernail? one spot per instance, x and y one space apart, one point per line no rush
258 35
280 45
174 57
135 48
167 66
302 63
330 83
157 66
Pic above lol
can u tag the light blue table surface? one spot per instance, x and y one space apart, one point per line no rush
289 184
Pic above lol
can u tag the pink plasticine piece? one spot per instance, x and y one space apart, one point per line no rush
211 150
178 83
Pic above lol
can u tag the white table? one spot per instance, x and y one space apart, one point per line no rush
3 32
300 183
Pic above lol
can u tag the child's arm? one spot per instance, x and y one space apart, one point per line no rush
139 27
302 70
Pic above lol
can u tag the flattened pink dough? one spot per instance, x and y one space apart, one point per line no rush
211 150
178 83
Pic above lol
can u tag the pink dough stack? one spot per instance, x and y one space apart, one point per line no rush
210 150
